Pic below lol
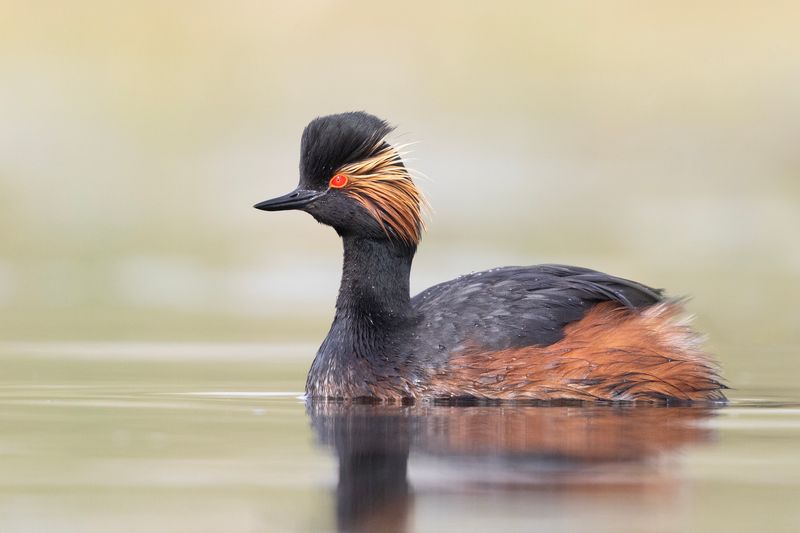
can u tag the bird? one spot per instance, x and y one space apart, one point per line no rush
544 333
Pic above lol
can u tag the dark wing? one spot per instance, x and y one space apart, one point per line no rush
518 306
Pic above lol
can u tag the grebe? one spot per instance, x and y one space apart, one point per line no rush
547 332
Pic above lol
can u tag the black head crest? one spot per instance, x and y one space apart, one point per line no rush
333 141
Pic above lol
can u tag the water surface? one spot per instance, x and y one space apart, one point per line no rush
176 437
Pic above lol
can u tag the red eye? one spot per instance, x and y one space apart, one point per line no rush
338 181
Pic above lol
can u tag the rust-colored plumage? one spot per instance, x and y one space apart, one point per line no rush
612 354
382 184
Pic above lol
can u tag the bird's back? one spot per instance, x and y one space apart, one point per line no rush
520 306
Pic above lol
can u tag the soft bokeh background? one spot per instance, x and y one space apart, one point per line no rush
155 329
656 141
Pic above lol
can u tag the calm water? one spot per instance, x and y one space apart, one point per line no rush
175 437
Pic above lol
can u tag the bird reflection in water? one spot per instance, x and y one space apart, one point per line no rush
497 448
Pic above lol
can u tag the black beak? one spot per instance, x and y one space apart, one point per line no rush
294 200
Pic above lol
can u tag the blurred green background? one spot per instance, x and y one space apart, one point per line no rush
656 141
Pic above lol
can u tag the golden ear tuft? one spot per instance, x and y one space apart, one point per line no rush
383 186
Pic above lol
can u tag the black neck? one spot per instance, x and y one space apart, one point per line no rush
372 310
375 279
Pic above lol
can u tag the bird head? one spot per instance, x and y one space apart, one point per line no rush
352 179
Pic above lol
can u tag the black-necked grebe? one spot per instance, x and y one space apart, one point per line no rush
547 332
